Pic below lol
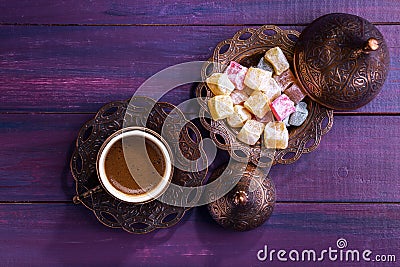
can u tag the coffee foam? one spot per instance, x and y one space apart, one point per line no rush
135 195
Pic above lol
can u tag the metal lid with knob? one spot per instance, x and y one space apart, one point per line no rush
341 61
249 204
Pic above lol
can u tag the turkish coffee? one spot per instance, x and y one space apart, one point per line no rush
135 165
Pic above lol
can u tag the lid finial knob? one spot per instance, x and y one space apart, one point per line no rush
240 198
372 44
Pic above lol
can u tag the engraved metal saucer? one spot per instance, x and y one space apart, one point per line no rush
247 47
134 218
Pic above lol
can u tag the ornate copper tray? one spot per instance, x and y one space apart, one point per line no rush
247 47
134 218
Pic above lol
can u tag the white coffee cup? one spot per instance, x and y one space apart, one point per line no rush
150 193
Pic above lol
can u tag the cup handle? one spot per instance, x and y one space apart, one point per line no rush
78 198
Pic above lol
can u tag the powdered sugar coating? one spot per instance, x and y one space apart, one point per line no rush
236 74
282 107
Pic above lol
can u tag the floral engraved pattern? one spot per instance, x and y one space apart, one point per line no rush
135 218
248 52
332 65
259 192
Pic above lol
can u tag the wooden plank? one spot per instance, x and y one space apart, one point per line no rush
356 161
190 11
78 69
35 155
67 235
81 68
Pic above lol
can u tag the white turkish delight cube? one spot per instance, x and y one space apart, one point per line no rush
255 77
271 89
251 132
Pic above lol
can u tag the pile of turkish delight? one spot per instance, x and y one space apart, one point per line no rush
263 100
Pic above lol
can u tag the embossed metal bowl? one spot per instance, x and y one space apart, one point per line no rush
247 47
341 61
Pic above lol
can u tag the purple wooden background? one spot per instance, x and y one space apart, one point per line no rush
62 60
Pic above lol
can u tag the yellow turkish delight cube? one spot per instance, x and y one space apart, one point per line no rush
219 84
255 77
278 60
239 117
276 135
258 104
221 106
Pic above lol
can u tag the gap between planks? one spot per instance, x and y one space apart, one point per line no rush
277 202
164 24
336 113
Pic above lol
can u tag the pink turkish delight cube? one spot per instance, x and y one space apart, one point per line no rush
295 93
236 74
282 107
